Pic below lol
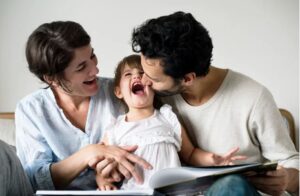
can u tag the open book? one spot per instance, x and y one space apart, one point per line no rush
196 180
179 180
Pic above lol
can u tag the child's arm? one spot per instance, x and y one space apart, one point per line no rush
198 157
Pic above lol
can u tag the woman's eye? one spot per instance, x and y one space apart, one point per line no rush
128 74
81 68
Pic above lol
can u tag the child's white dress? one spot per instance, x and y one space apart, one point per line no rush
158 138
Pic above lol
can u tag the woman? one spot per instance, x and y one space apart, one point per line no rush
58 128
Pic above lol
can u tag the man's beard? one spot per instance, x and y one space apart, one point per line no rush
175 90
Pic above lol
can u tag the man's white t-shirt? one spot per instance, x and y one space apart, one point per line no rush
241 113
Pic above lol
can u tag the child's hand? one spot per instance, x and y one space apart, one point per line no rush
104 184
107 187
227 159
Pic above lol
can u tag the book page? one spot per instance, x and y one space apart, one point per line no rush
96 192
170 176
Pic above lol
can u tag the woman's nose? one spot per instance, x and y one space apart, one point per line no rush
94 70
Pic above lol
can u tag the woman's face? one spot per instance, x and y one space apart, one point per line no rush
132 90
80 75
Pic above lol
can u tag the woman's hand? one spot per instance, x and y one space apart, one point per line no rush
112 157
227 159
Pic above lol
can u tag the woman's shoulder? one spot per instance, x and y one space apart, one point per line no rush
105 86
104 81
106 90
34 97
34 101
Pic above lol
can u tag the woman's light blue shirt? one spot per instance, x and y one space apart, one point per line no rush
44 135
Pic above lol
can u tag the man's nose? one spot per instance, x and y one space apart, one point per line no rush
146 81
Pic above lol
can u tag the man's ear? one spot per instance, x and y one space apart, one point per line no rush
118 92
188 79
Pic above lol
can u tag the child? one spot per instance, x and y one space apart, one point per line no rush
157 132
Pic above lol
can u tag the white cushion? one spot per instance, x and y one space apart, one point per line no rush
7 131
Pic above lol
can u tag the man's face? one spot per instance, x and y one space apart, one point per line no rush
154 76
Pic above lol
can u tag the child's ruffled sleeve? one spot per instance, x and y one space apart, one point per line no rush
171 118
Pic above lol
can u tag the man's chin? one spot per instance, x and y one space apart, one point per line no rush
166 93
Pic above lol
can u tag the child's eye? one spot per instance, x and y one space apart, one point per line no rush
127 74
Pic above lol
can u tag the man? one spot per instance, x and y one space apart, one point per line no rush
220 108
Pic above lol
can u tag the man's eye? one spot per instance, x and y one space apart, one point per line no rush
93 56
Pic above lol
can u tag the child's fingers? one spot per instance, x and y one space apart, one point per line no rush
107 187
93 162
108 170
231 152
116 175
124 171
102 188
238 157
104 166
114 188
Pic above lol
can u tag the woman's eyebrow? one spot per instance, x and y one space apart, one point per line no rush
83 62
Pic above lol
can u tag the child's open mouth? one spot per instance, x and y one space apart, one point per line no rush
137 88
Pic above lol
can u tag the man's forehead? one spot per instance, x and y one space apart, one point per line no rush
151 61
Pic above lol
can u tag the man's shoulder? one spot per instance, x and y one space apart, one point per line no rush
241 83
242 79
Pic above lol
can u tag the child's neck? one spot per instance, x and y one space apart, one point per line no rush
136 114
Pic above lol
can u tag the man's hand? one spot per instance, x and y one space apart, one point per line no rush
273 182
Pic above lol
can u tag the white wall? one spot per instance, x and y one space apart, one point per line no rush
256 37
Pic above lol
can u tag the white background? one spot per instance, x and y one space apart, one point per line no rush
259 38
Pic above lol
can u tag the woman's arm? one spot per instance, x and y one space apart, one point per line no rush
66 170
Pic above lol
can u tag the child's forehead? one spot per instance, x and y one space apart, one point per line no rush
129 67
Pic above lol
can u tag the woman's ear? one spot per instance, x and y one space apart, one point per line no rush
118 92
188 79
50 81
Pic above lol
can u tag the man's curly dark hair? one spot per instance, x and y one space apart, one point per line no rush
179 40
